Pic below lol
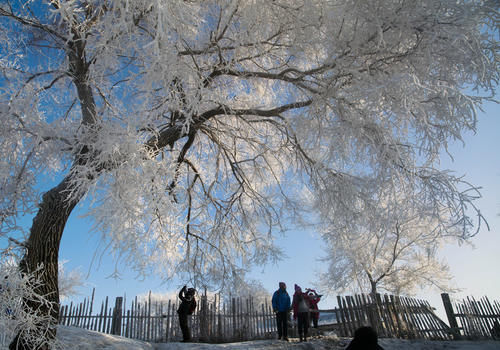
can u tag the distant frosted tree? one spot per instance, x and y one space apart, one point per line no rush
191 129
69 281
240 286
392 246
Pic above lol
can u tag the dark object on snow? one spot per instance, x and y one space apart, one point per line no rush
186 308
495 330
365 338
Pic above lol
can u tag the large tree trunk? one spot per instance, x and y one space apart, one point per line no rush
42 247
48 225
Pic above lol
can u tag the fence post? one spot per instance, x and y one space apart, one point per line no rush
203 317
116 321
448 307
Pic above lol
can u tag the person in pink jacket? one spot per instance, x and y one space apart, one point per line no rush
300 306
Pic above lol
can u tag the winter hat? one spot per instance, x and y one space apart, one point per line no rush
282 285
298 289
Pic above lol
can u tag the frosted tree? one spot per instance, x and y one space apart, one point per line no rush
69 281
191 130
240 286
392 246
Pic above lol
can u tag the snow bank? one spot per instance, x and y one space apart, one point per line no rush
79 339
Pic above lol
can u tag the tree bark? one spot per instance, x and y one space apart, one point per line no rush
42 247
374 287
373 283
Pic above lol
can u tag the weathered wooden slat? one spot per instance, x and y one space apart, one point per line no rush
391 323
351 313
77 314
411 318
438 329
401 318
109 318
344 317
241 319
62 315
85 312
358 310
148 319
416 318
463 320
478 327
429 329
81 310
105 319
379 315
483 316
399 323
91 309
495 315
469 320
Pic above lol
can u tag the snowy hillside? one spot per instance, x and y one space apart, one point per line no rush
78 339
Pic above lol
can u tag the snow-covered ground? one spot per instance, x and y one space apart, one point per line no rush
79 339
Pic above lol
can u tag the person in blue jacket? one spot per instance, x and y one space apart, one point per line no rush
281 307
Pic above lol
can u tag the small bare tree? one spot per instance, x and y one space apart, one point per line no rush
392 245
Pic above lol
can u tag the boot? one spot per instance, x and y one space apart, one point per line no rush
300 338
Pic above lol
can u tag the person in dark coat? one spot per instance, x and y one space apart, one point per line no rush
281 307
365 338
186 308
300 306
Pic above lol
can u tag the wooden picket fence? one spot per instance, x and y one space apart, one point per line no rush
392 316
238 319
473 319
212 321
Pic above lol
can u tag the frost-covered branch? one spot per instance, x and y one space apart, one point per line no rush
17 289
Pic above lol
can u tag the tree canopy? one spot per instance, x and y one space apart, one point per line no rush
192 129
393 246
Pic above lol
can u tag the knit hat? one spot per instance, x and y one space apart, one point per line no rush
282 285
298 289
